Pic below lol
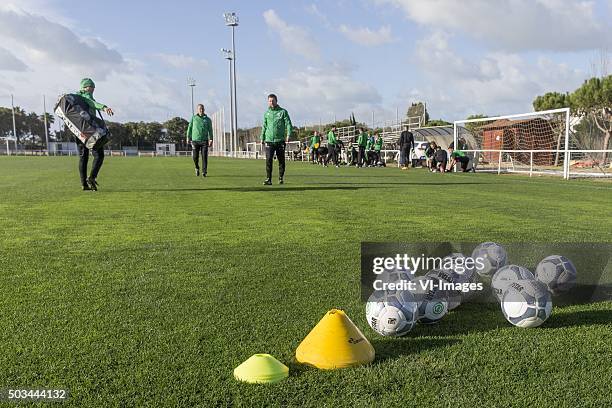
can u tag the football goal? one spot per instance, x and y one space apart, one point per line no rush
535 143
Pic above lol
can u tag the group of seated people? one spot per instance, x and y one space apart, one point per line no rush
438 159
363 150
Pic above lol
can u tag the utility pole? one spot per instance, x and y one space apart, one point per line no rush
45 117
14 126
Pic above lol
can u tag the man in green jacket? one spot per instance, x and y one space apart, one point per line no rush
275 132
86 92
200 134
332 147
362 141
378 145
315 143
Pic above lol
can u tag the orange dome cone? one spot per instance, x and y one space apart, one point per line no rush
335 342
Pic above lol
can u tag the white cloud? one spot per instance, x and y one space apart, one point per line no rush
47 41
182 61
366 36
294 39
559 25
9 62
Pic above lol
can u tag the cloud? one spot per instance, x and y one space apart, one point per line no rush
558 25
182 61
9 62
47 41
294 39
366 36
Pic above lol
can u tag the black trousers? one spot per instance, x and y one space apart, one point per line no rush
98 155
196 149
464 162
279 149
333 155
360 155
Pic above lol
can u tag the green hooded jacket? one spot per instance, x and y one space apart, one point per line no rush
276 125
362 139
378 144
93 104
314 140
331 138
200 129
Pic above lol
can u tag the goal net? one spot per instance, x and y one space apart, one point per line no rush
533 143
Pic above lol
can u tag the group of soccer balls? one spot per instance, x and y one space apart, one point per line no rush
525 298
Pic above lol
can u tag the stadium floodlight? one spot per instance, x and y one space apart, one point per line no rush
231 20
191 83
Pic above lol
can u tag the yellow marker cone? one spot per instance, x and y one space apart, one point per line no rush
261 369
335 342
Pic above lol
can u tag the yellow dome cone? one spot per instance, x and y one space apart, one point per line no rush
335 342
261 369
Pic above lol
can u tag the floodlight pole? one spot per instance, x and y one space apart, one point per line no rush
45 117
191 83
231 20
229 57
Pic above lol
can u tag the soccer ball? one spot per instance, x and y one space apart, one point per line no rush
391 313
526 303
493 256
506 275
456 264
432 303
453 297
557 272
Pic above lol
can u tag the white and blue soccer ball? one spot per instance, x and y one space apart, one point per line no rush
557 272
526 303
392 313
453 297
506 275
493 257
432 303
456 263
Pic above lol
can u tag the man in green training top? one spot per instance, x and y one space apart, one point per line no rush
200 134
332 146
275 132
378 145
458 156
315 143
362 141
87 90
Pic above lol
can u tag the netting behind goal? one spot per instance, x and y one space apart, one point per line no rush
547 142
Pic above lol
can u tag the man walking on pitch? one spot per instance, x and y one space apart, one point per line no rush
200 134
332 143
275 132
406 143
362 141
87 90
315 143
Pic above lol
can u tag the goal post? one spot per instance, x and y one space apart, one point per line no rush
531 143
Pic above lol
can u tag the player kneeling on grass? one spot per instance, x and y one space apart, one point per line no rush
200 134
429 155
275 132
441 159
458 156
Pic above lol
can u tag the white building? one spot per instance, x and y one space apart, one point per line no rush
61 148
165 149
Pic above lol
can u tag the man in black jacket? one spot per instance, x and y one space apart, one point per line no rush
406 144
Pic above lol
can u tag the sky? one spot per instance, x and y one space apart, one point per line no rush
324 59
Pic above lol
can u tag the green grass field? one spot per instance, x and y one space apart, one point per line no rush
150 291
